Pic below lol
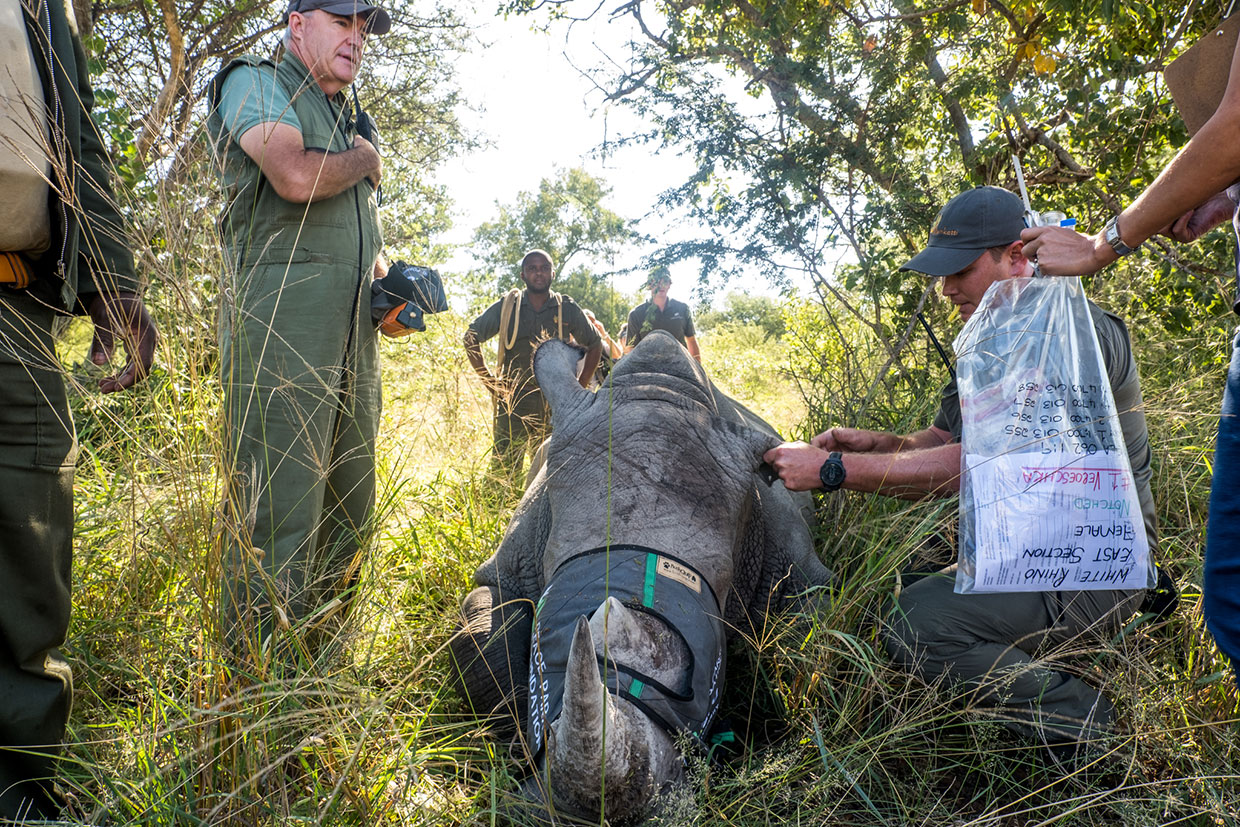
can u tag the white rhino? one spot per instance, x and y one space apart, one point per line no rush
645 539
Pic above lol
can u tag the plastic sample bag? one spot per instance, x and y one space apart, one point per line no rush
1047 498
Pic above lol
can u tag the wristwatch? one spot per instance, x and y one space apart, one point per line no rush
1110 234
832 472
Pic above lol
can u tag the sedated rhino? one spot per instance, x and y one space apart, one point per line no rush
645 539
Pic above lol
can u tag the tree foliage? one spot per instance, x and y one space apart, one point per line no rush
568 218
154 58
823 127
745 310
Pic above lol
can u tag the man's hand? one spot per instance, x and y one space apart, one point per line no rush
853 440
122 314
499 387
1197 222
374 174
1059 251
797 464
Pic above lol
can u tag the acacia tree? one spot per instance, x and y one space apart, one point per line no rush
567 217
828 132
848 121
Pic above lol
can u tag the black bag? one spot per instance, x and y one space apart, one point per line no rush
399 299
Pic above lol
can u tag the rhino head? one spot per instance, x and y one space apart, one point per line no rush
643 473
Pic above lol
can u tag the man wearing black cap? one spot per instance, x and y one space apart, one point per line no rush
298 352
988 642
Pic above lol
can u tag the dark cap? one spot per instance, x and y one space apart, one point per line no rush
537 252
377 20
967 226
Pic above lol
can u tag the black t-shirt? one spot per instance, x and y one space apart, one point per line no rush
675 319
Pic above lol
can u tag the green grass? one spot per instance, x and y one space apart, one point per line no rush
367 731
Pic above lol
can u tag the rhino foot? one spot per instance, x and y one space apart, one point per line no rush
491 656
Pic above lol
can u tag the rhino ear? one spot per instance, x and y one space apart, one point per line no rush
555 367
750 444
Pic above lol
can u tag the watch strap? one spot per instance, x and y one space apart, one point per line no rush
1110 234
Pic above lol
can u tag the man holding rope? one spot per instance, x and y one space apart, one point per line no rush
522 319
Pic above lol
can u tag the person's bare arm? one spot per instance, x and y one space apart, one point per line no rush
610 345
591 362
122 314
857 440
907 473
1208 164
1198 221
692 345
301 175
473 352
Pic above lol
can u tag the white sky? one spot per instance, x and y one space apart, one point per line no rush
541 116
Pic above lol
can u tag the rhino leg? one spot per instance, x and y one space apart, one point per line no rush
491 655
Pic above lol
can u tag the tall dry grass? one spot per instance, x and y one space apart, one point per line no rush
365 728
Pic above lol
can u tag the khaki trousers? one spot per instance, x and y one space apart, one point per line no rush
996 645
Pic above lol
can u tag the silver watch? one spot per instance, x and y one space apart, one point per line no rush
1110 234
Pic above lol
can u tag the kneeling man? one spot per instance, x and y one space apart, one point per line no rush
988 642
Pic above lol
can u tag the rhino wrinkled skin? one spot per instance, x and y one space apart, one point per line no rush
655 458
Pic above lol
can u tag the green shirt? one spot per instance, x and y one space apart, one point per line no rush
251 96
533 326
258 227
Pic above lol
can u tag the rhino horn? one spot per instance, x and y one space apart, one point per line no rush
612 625
634 762
555 367
585 705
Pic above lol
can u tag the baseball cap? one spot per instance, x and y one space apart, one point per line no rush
377 20
967 226
537 252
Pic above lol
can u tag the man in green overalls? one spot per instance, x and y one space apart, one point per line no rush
62 250
298 350
522 319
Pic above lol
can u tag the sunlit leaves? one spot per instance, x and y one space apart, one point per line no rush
568 217
835 130
406 84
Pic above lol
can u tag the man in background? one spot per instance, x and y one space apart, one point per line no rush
522 319
61 251
298 350
662 313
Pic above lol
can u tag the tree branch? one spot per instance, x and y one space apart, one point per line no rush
174 85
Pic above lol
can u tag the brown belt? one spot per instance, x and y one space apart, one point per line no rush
15 271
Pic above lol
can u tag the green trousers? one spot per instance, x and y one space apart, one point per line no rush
999 647
302 397
37 454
